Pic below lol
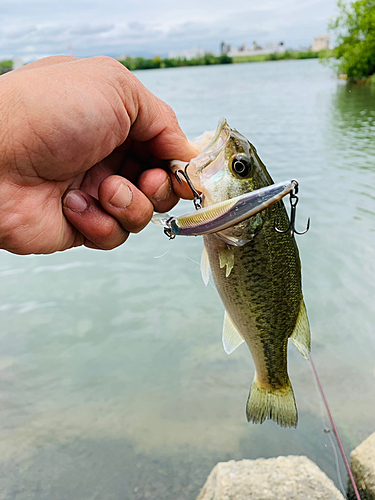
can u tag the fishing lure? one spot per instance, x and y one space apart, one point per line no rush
226 213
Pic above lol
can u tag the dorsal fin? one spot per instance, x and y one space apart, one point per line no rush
301 333
231 336
205 266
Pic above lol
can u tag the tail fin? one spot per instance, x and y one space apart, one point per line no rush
278 405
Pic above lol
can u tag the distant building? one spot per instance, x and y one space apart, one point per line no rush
321 42
225 48
254 50
188 54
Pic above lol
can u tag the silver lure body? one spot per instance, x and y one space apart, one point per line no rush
225 214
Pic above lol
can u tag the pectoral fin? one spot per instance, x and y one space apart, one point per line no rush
226 258
231 336
232 240
301 335
205 266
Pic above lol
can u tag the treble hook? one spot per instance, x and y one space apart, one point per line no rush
197 196
293 207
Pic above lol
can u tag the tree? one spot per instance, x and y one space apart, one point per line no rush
355 36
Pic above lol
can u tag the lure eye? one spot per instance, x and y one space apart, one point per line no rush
241 166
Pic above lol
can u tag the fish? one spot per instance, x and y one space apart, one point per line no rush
256 271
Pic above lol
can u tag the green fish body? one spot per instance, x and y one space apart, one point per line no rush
257 273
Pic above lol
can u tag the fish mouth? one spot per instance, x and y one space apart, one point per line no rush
210 152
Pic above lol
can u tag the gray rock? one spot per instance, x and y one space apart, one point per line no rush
281 478
363 468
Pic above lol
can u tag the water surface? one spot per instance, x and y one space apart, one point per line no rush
113 380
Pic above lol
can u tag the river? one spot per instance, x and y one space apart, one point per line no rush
113 380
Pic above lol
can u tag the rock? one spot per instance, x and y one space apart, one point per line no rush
281 478
363 468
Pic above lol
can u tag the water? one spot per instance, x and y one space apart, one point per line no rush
114 383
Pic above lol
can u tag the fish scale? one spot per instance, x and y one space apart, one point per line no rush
257 273
263 303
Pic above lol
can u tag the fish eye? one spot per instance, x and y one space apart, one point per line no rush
241 165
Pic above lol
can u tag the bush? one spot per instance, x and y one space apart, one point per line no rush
134 63
5 66
355 33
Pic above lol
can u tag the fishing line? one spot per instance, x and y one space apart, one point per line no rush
192 260
162 255
327 430
335 452
335 431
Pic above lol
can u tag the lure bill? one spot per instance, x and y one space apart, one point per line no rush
225 214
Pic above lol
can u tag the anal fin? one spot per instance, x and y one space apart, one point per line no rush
301 336
226 259
231 336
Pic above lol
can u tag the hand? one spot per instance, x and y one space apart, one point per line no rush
77 136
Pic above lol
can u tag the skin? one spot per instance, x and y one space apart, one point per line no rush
83 150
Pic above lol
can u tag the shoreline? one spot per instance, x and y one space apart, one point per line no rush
157 62
137 63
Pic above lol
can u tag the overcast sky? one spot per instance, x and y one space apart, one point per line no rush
31 29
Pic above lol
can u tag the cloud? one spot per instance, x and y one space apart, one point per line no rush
91 30
35 27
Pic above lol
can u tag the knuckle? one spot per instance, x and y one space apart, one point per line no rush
172 118
105 61
109 65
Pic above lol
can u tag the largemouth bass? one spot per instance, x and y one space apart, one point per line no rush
257 273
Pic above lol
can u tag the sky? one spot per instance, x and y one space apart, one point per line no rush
31 29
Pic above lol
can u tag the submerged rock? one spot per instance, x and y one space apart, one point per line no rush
363 468
281 478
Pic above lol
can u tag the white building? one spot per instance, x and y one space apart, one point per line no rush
253 50
187 54
321 42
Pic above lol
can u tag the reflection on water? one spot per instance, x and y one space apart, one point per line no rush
354 112
113 380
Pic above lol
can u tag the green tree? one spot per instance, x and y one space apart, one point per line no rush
354 29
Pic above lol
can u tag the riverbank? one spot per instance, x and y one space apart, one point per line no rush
5 66
287 55
137 63
287 477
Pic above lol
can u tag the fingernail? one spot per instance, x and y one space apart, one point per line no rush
75 201
163 192
122 197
